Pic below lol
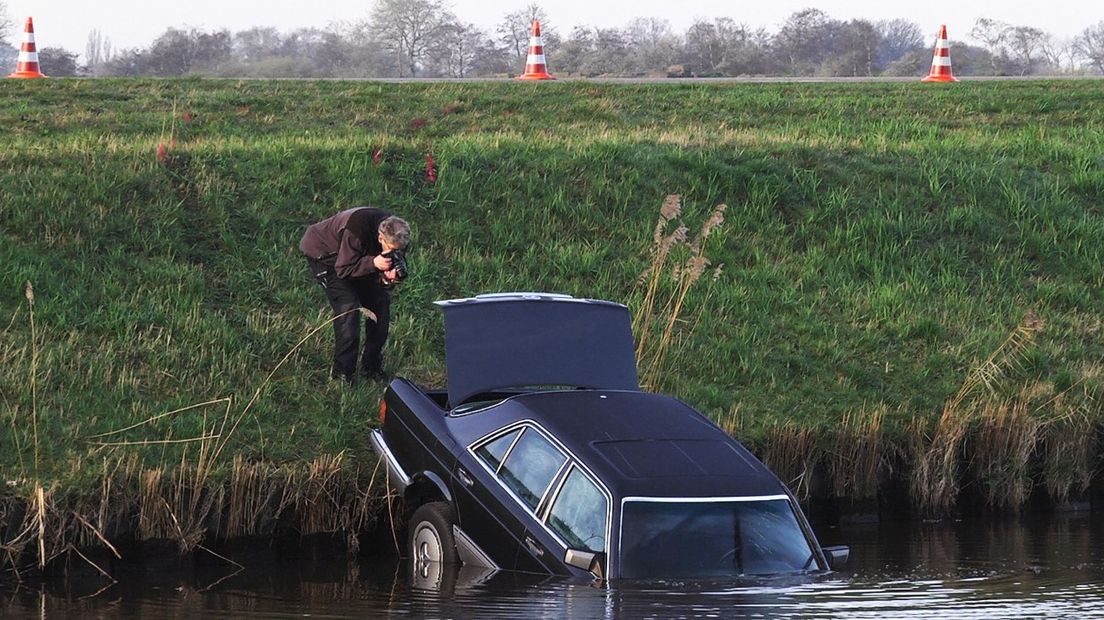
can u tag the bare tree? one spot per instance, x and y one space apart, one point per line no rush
459 47
513 30
1026 45
1089 45
409 29
899 37
5 22
651 44
1059 54
805 40
855 45
993 35
97 53
255 43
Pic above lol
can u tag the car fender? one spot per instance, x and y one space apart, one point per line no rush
425 486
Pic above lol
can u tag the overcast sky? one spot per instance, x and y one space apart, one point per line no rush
136 23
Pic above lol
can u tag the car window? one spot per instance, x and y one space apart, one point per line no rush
579 513
493 451
530 467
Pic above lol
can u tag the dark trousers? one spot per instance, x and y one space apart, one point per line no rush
346 297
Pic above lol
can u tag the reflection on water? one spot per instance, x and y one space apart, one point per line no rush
1051 567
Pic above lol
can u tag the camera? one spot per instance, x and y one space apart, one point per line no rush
398 265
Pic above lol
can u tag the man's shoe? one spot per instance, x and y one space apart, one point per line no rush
344 378
375 374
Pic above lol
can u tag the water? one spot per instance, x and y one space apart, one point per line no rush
1027 568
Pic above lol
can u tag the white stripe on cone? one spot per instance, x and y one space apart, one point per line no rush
534 59
941 61
28 57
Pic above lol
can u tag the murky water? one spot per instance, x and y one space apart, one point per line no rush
1028 568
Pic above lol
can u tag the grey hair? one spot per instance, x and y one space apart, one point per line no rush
395 231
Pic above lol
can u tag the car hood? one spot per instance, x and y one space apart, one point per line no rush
509 340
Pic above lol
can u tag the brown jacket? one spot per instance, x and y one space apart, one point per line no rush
348 241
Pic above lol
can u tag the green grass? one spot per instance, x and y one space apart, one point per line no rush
880 240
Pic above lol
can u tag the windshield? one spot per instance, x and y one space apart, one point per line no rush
719 538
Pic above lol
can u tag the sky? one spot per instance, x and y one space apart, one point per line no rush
136 23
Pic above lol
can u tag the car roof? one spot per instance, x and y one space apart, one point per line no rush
648 445
509 340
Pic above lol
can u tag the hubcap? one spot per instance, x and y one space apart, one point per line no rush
427 544
427 557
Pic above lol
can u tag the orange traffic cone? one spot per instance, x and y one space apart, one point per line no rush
27 66
941 61
534 63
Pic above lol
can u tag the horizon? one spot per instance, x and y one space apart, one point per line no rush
131 24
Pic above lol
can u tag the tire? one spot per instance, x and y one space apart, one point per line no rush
431 538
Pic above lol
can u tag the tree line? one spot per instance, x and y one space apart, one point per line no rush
423 38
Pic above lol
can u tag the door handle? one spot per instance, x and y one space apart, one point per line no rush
464 477
534 547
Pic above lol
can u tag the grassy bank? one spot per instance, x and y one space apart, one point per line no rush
909 285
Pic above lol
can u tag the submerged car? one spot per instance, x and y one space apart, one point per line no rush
543 454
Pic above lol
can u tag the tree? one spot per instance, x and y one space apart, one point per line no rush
898 38
574 52
805 40
97 52
723 47
1090 46
854 52
458 47
409 28
179 52
58 62
256 43
5 22
993 35
652 46
513 31
1059 55
1027 47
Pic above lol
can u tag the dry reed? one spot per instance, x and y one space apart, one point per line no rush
791 452
1069 442
666 287
1005 438
936 453
859 455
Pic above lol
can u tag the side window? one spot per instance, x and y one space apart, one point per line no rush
493 451
579 514
530 467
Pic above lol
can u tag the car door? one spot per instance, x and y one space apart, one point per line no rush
575 515
512 474
480 499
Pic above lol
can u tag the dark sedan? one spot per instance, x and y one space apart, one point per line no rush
543 455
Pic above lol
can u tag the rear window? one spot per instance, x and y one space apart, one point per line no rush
493 451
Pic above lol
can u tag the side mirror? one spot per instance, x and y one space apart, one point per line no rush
579 558
837 556
586 560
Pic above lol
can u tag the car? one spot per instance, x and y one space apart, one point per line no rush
543 454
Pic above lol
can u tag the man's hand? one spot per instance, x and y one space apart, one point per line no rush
391 276
382 263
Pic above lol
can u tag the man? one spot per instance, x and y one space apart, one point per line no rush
350 255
